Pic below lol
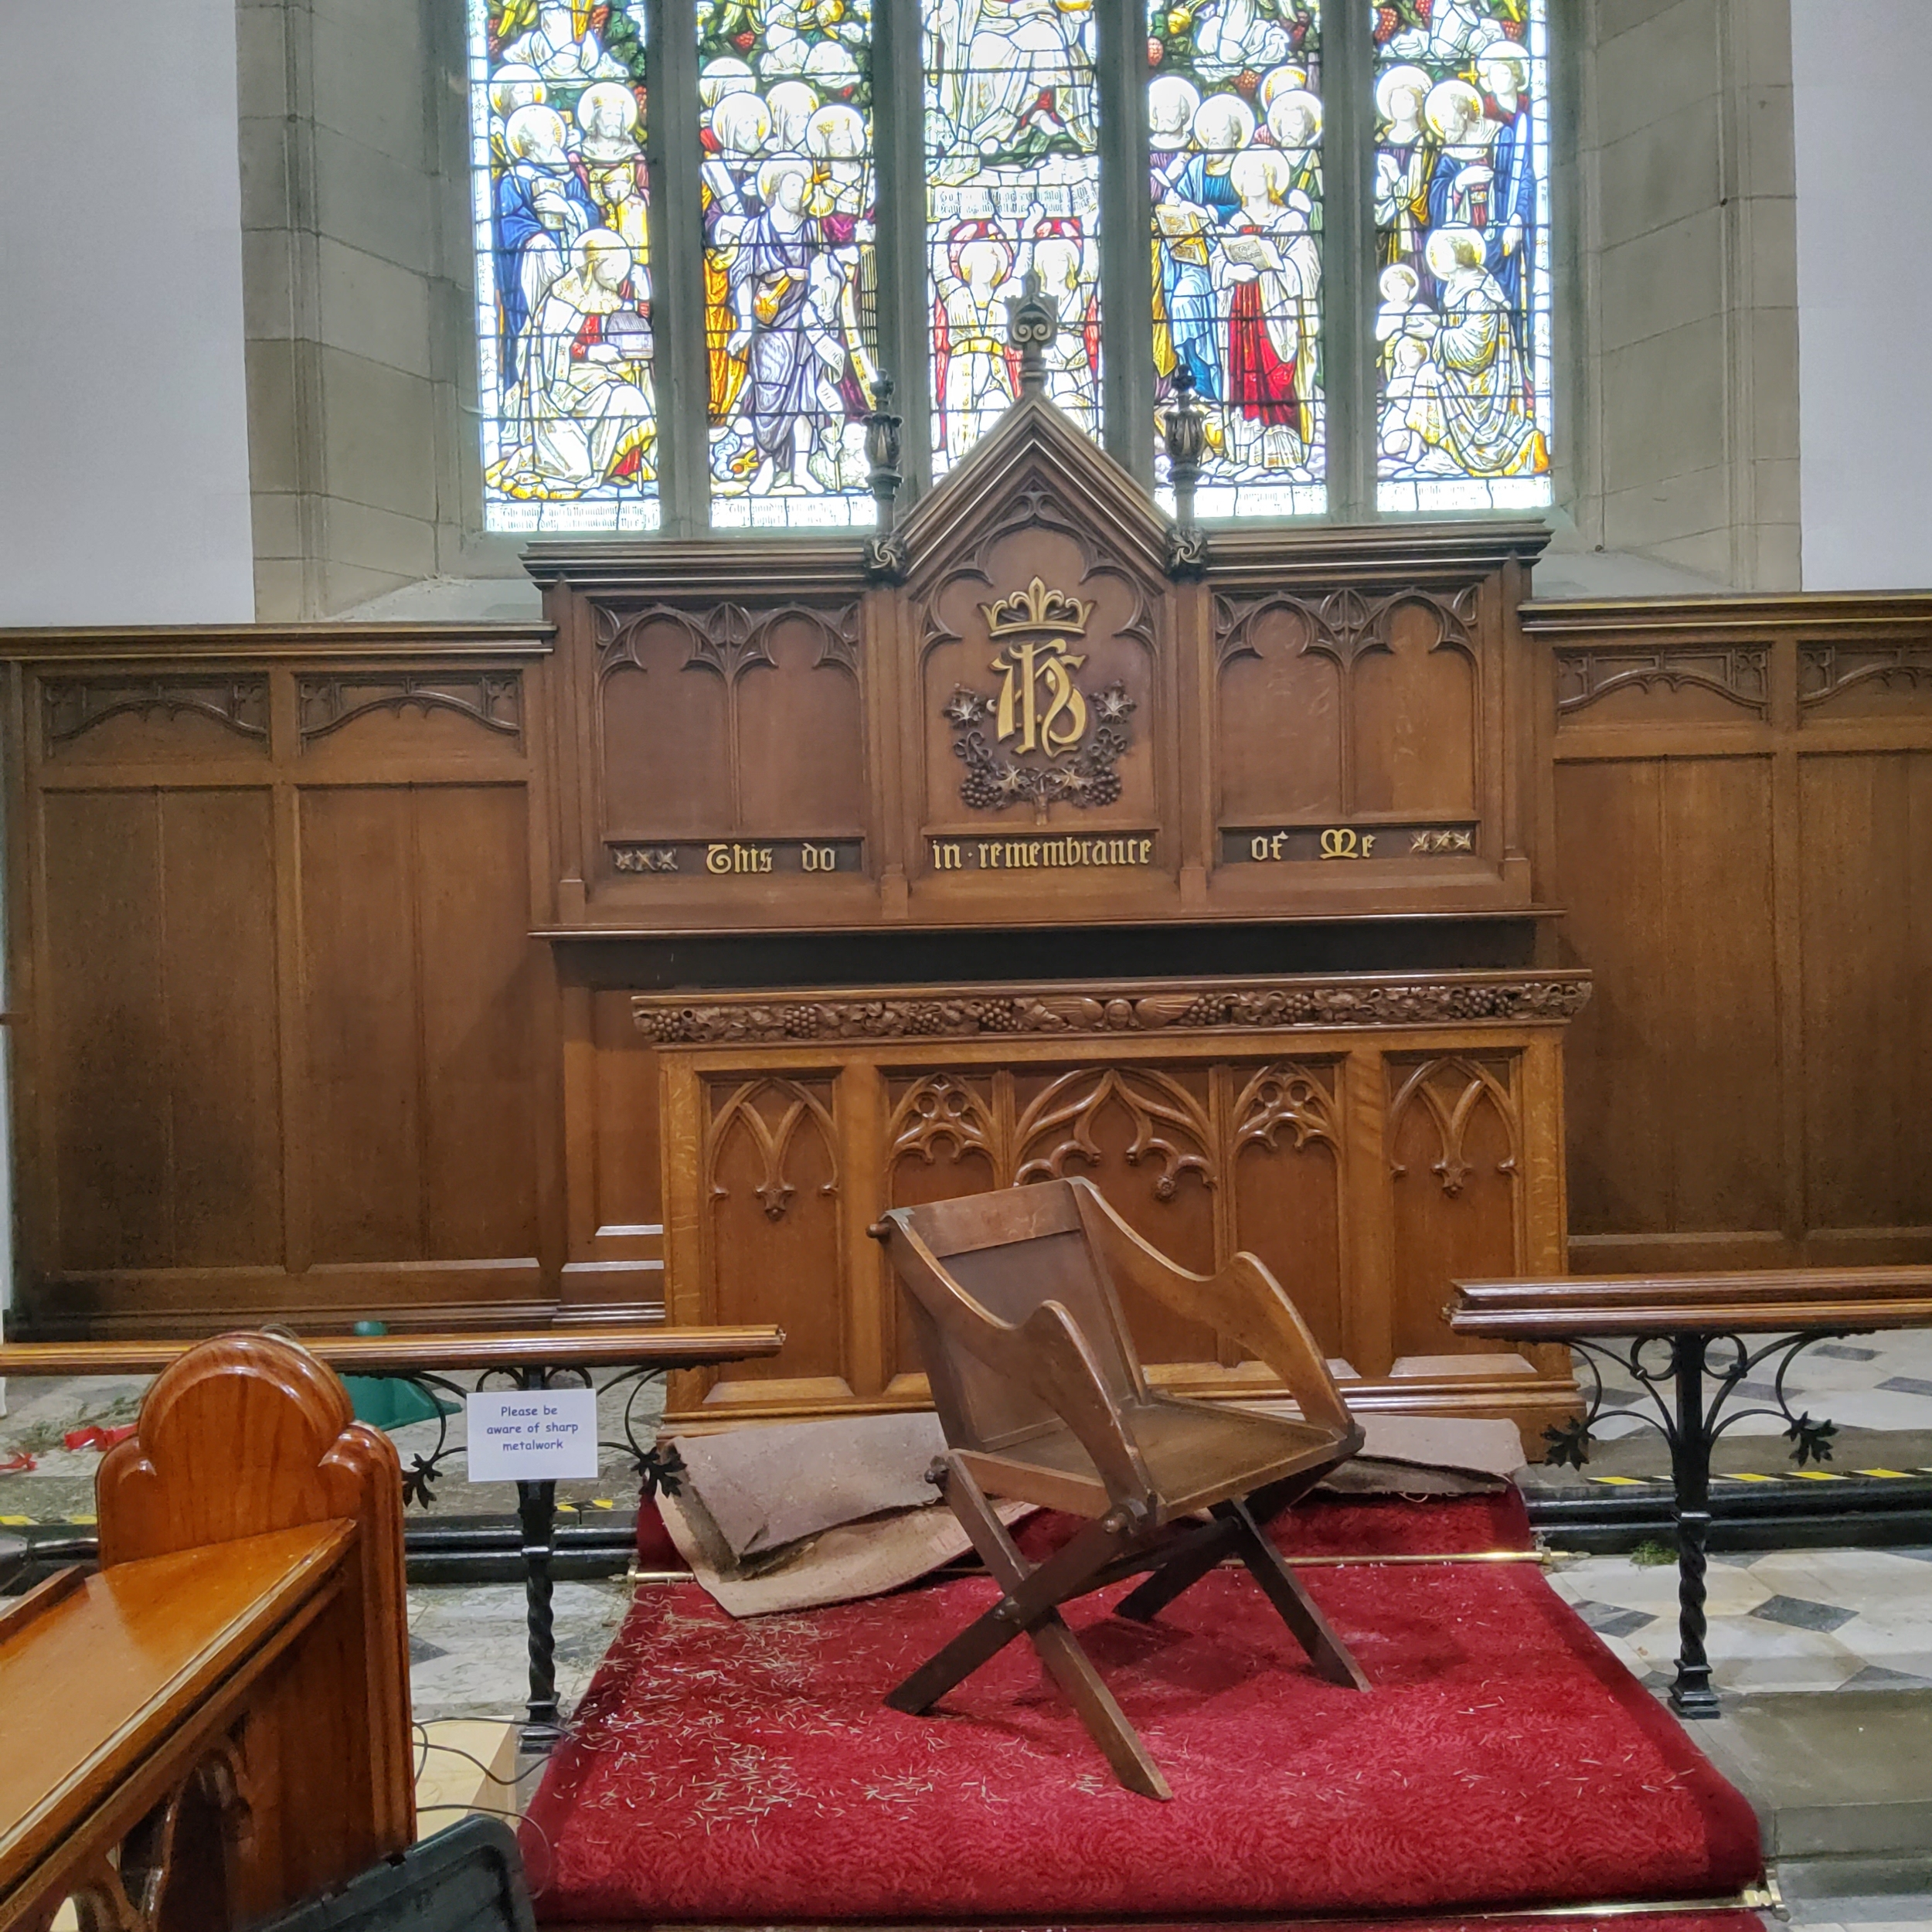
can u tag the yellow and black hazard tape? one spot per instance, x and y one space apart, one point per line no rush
1781 1475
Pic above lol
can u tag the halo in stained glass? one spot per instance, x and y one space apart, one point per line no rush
791 263
1235 120
1462 231
1013 187
561 217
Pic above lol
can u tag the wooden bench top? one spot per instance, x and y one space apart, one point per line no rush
1744 1301
99 1673
609 1348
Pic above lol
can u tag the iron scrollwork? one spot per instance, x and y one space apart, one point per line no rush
1673 1370
660 1472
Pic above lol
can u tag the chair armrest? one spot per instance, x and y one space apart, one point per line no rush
1047 1356
1243 1300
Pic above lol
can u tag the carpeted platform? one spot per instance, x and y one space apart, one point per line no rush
733 1772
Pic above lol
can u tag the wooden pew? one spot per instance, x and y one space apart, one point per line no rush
217 1725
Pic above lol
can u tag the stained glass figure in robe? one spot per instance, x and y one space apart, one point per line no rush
1462 221
1234 115
1013 187
561 210
786 187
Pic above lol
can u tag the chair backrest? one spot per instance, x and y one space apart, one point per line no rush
1010 1252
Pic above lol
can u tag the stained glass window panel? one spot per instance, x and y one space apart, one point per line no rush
561 208
1013 183
1462 230
790 265
1234 120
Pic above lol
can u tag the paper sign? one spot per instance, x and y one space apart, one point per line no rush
532 1437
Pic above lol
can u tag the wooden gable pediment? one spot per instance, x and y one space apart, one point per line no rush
1042 688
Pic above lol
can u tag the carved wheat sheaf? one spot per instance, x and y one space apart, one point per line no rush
1451 1090
772 1139
1071 1105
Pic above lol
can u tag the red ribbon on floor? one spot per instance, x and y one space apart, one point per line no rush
94 1438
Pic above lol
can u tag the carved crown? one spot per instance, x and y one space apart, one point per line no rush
1036 608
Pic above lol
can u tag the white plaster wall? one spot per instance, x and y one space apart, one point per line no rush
124 436
1861 73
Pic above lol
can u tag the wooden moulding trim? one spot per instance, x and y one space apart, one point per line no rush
1756 1300
1240 556
1156 913
653 567
1608 620
1051 1010
1236 551
177 644
610 1347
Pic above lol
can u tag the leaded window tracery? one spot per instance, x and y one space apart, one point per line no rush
704 231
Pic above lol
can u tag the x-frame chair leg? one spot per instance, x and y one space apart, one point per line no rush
1030 1604
1188 1565
1312 1631
1241 1536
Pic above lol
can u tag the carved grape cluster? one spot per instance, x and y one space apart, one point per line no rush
1210 1009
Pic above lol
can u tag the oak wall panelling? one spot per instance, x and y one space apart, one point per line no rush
329 941
286 1050
1743 847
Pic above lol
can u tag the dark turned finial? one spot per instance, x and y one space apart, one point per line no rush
1033 320
882 425
885 553
1186 434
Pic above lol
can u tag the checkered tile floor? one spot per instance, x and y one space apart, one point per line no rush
1805 1620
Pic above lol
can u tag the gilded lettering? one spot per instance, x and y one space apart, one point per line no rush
1024 668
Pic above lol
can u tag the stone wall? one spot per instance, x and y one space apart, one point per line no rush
355 246
1683 335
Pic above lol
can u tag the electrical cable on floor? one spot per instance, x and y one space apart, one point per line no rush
426 1744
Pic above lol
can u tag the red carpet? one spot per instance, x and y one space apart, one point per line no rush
728 1772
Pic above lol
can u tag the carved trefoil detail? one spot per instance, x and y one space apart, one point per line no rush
1280 1097
941 1110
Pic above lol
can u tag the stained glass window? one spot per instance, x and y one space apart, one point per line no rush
1462 228
563 265
1013 186
790 269
1234 121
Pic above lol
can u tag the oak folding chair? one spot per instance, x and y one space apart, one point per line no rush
1043 1399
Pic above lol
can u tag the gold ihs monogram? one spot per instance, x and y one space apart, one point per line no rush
1037 708
1037 700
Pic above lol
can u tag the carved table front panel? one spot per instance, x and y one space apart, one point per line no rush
1369 1138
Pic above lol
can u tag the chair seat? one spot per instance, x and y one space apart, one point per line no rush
1197 1453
